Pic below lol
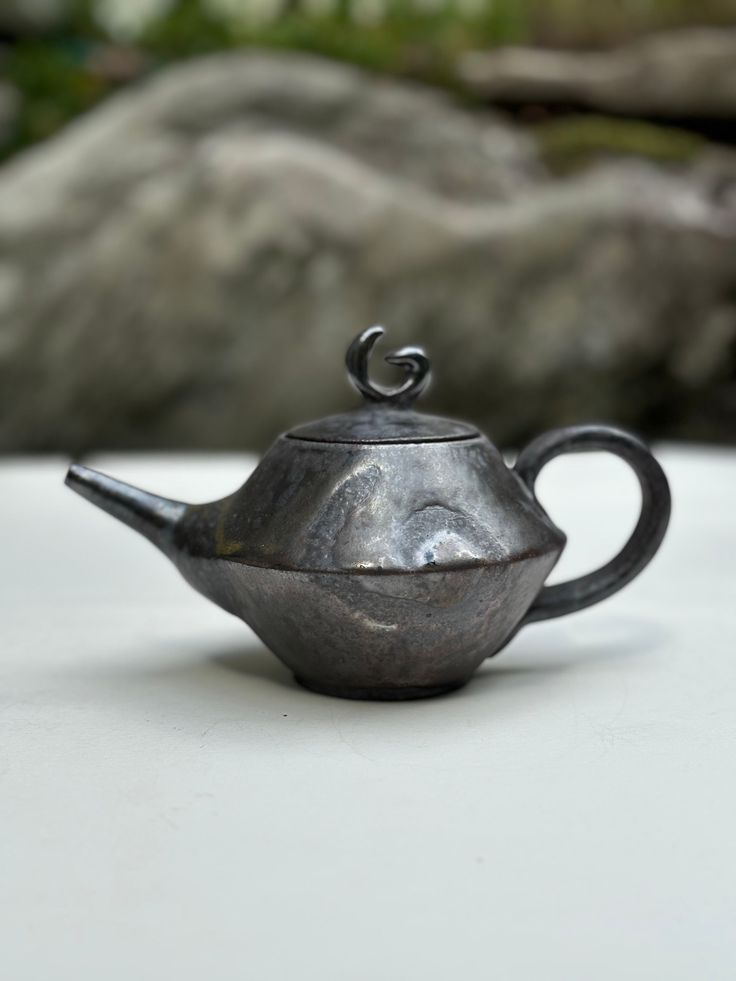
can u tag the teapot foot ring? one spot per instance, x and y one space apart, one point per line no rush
379 694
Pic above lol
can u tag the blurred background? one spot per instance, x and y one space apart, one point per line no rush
203 201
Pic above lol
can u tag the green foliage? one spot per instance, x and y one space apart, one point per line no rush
188 30
69 70
55 88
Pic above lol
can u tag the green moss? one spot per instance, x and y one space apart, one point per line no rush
574 141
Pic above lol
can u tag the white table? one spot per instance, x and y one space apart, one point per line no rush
173 806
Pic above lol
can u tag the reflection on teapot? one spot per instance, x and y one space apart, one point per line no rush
384 553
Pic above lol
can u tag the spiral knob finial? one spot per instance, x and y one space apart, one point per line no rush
412 359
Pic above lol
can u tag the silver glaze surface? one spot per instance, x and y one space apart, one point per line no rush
383 553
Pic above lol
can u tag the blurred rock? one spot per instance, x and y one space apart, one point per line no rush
682 74
27 16
186 266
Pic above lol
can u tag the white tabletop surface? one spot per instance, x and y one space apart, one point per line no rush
173 806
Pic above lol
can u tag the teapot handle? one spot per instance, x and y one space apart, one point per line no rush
576 594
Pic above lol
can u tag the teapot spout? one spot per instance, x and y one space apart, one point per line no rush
153 517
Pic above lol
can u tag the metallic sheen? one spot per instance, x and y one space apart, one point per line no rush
383 553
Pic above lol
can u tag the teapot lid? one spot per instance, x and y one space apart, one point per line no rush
387 416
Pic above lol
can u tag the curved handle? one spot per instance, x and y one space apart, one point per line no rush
555 601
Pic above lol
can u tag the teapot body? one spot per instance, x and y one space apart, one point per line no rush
371 636
383 571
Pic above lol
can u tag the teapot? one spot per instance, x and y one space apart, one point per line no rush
384 553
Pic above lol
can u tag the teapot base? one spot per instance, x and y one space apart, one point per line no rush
379 694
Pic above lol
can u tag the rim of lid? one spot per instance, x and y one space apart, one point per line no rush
380 423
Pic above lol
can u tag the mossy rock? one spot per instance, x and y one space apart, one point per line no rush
570 142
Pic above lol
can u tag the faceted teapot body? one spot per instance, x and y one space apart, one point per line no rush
375 569
385 553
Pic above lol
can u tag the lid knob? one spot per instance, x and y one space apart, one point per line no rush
412 359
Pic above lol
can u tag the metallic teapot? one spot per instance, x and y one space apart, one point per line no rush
383 553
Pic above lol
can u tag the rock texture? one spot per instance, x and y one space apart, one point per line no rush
185 267
25 16
676 75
